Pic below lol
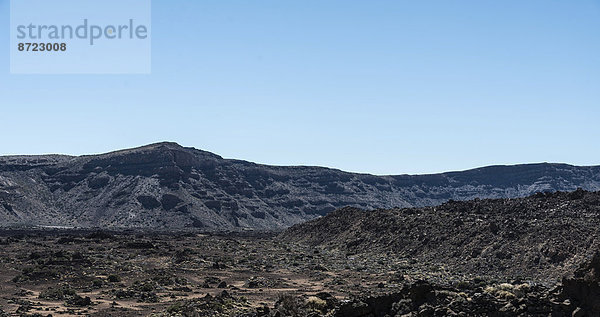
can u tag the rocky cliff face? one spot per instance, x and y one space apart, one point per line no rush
166 186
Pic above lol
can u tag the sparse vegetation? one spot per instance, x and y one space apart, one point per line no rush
114 278
268 275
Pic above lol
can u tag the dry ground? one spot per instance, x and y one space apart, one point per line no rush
52 272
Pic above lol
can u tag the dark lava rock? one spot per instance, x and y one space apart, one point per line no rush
169 201
582 287
536 237
148 202
355 308
139 245
98 181
424 299
100 235
79 301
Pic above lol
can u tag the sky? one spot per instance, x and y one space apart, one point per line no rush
382 87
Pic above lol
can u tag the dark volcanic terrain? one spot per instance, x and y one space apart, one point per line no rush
534 256
541 237
165 185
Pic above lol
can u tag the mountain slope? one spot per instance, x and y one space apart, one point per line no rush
540 237
166 186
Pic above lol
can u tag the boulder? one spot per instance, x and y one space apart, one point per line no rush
582 286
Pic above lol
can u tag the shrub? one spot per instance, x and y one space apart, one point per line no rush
504 290
289 305
60 293
316 303
114 278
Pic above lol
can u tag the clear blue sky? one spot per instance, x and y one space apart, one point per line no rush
385 87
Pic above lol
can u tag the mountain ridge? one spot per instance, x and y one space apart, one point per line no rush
168 186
